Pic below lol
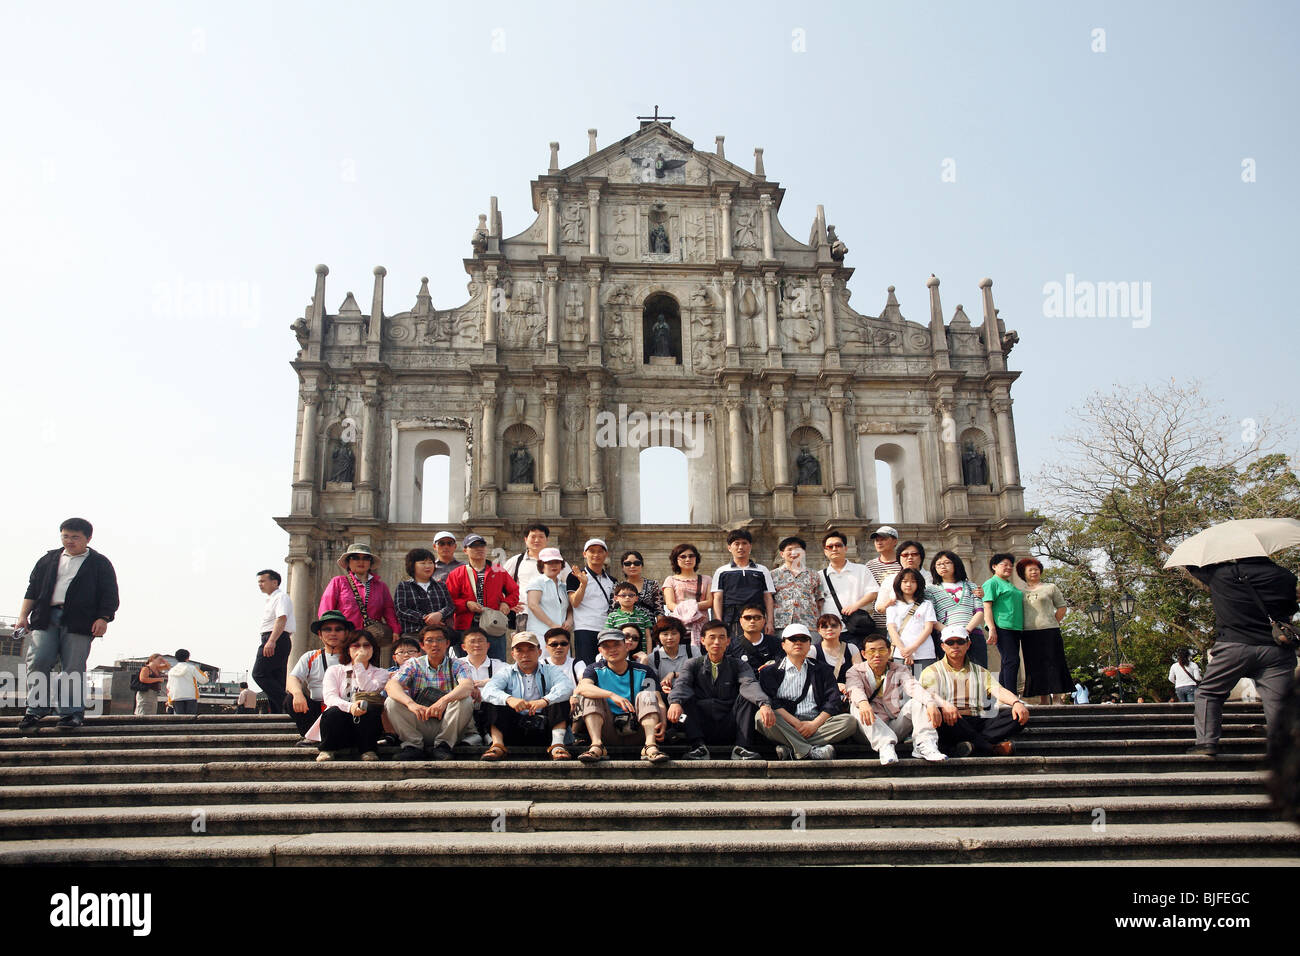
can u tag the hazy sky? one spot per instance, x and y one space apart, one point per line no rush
152 150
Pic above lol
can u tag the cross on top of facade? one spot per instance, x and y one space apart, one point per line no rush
656 118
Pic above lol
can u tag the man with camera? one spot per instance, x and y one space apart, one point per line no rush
527 702
430 698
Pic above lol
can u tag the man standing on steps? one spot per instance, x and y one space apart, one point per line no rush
71 596
848 587
883 567
967 716
277 629
720 698
1248 595
753 646
523 567
444 544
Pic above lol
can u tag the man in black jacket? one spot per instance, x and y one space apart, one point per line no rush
71 596
1244 646
809 707
719 697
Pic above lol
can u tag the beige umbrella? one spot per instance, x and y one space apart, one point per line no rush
1247 538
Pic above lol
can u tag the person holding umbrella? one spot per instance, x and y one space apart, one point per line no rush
1254 598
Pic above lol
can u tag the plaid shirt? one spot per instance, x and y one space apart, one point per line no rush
414 602
424 684
898 679
971 690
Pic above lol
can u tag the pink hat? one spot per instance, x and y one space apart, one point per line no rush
549 554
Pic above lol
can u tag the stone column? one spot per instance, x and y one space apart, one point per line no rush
735 444
301 593
765 203
593 308
839 460
780 444
593 227
551 441
307 450
365 464
729 305
828 311
595 472
552 281
948 439
489 300
488 443
769 289
1006 441
377 309
552 222
724 201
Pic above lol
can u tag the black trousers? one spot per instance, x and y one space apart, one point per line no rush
304 721
721 722
526 733
584 646
269 672
339 730
982 732
1009 648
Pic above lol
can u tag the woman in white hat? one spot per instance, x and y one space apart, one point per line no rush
358 593
548 599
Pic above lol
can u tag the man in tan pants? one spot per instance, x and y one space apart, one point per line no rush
429 698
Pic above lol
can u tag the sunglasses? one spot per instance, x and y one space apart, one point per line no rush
957 641
557 643
631 564
752 617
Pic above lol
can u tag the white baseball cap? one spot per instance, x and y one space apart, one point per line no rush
591 541
443 534
885 531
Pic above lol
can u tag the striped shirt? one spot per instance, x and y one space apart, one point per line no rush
954 610
794 681
883 572
971 690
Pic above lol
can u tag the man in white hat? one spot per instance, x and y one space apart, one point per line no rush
883 567
809 708
444 546
966 711
527 702
591 591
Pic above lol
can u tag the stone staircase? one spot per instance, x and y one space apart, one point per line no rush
1089 784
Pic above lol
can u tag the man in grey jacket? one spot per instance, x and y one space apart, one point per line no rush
718 696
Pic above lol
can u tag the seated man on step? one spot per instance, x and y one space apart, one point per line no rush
429 698
527 702
620 701
720 698
967 714
877 687
807 700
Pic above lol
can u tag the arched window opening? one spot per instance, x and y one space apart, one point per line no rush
665 491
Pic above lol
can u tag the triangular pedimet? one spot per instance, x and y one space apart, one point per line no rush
632 158
349 306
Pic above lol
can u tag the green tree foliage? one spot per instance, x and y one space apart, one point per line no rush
1141 470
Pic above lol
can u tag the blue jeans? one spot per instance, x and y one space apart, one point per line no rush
1185 694
50 644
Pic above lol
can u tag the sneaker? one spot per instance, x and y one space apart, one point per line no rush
28 722
370 755
388 740
441 752
963 748
824 752
744 753
409 753
1204 750
325 756
927 751
888 755
783 752
697 753
71 722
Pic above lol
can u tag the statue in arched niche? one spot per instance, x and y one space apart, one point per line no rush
974 466
809 469
521 466
661 344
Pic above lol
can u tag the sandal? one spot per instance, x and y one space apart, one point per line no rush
652 754
495 752
559 752
594 753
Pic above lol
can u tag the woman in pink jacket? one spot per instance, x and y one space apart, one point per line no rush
359 594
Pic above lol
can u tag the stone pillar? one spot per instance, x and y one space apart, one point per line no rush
729 305
724 201
780 444
593 216
992 334
316 333
489 300
302 594
595 472
839 460
551 441
765 203
769 289
717 147
938 334
377 310
307 450
948 439
593 317
1006 440
735 444
552 281
552 220
363 502
488 443
828 311
554 165
591 142
758 163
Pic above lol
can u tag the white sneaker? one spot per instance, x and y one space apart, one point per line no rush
927 751
888 755
824 752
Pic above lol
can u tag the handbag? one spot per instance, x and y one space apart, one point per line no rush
1284 633
858 624
378 631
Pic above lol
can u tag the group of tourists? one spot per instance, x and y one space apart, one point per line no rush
574 658
534 651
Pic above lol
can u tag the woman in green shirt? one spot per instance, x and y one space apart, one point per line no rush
1004 615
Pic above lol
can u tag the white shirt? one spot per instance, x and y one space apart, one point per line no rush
181 681
909 634
485 670
887 598
572 665
554 600
277 605
851 583
314 678
527 569
1185 678
68 568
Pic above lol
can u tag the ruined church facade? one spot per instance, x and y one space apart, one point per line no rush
655 299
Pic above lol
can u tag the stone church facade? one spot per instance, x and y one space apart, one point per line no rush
655 299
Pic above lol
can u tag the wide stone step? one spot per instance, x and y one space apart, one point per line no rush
169 724
72 742
912 845
600 788
528 816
